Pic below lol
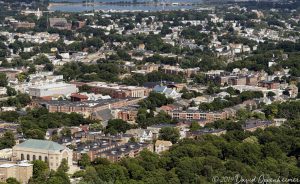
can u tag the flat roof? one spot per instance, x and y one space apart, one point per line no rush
53 85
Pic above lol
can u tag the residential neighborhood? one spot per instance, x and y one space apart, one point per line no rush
149 91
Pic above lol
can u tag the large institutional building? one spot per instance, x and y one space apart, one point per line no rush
21 171
47 151
55 89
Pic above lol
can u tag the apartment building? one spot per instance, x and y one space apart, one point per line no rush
88 106
209 116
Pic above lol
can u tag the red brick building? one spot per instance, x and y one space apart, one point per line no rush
269 84
197 115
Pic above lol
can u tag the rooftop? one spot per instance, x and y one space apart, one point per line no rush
41 144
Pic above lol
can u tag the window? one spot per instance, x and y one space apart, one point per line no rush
46 159
33 157
22 156
28 157
40 157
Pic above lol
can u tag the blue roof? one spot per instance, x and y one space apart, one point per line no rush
159 88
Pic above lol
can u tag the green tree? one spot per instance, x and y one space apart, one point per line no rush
85 160
40 170
271 94
169 134
8 140
3 80
63 167
194 126
11 91
117 125
12 181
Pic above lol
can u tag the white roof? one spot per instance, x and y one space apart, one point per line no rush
7 165
54 85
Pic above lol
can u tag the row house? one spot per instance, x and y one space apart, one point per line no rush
92 149
198 133
253 124
128 150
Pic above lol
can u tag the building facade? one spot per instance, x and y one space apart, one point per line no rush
52 90
47 151
22 172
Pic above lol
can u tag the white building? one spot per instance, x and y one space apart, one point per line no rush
55 89
3 90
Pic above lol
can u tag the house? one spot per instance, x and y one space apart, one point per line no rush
3 91
170 93
161 146
293 90
156 128
48 151
142 135
279 121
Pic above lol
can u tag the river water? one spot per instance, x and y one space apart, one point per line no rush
80 7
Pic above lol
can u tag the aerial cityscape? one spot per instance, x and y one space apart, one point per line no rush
149 91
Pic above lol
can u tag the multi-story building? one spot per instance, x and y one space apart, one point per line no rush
55 89
48 151
175 70
17 25
253 124
209 116
252 80
269 85
128 113
22 171
93 148
119 91
88 106
59 23
238 81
